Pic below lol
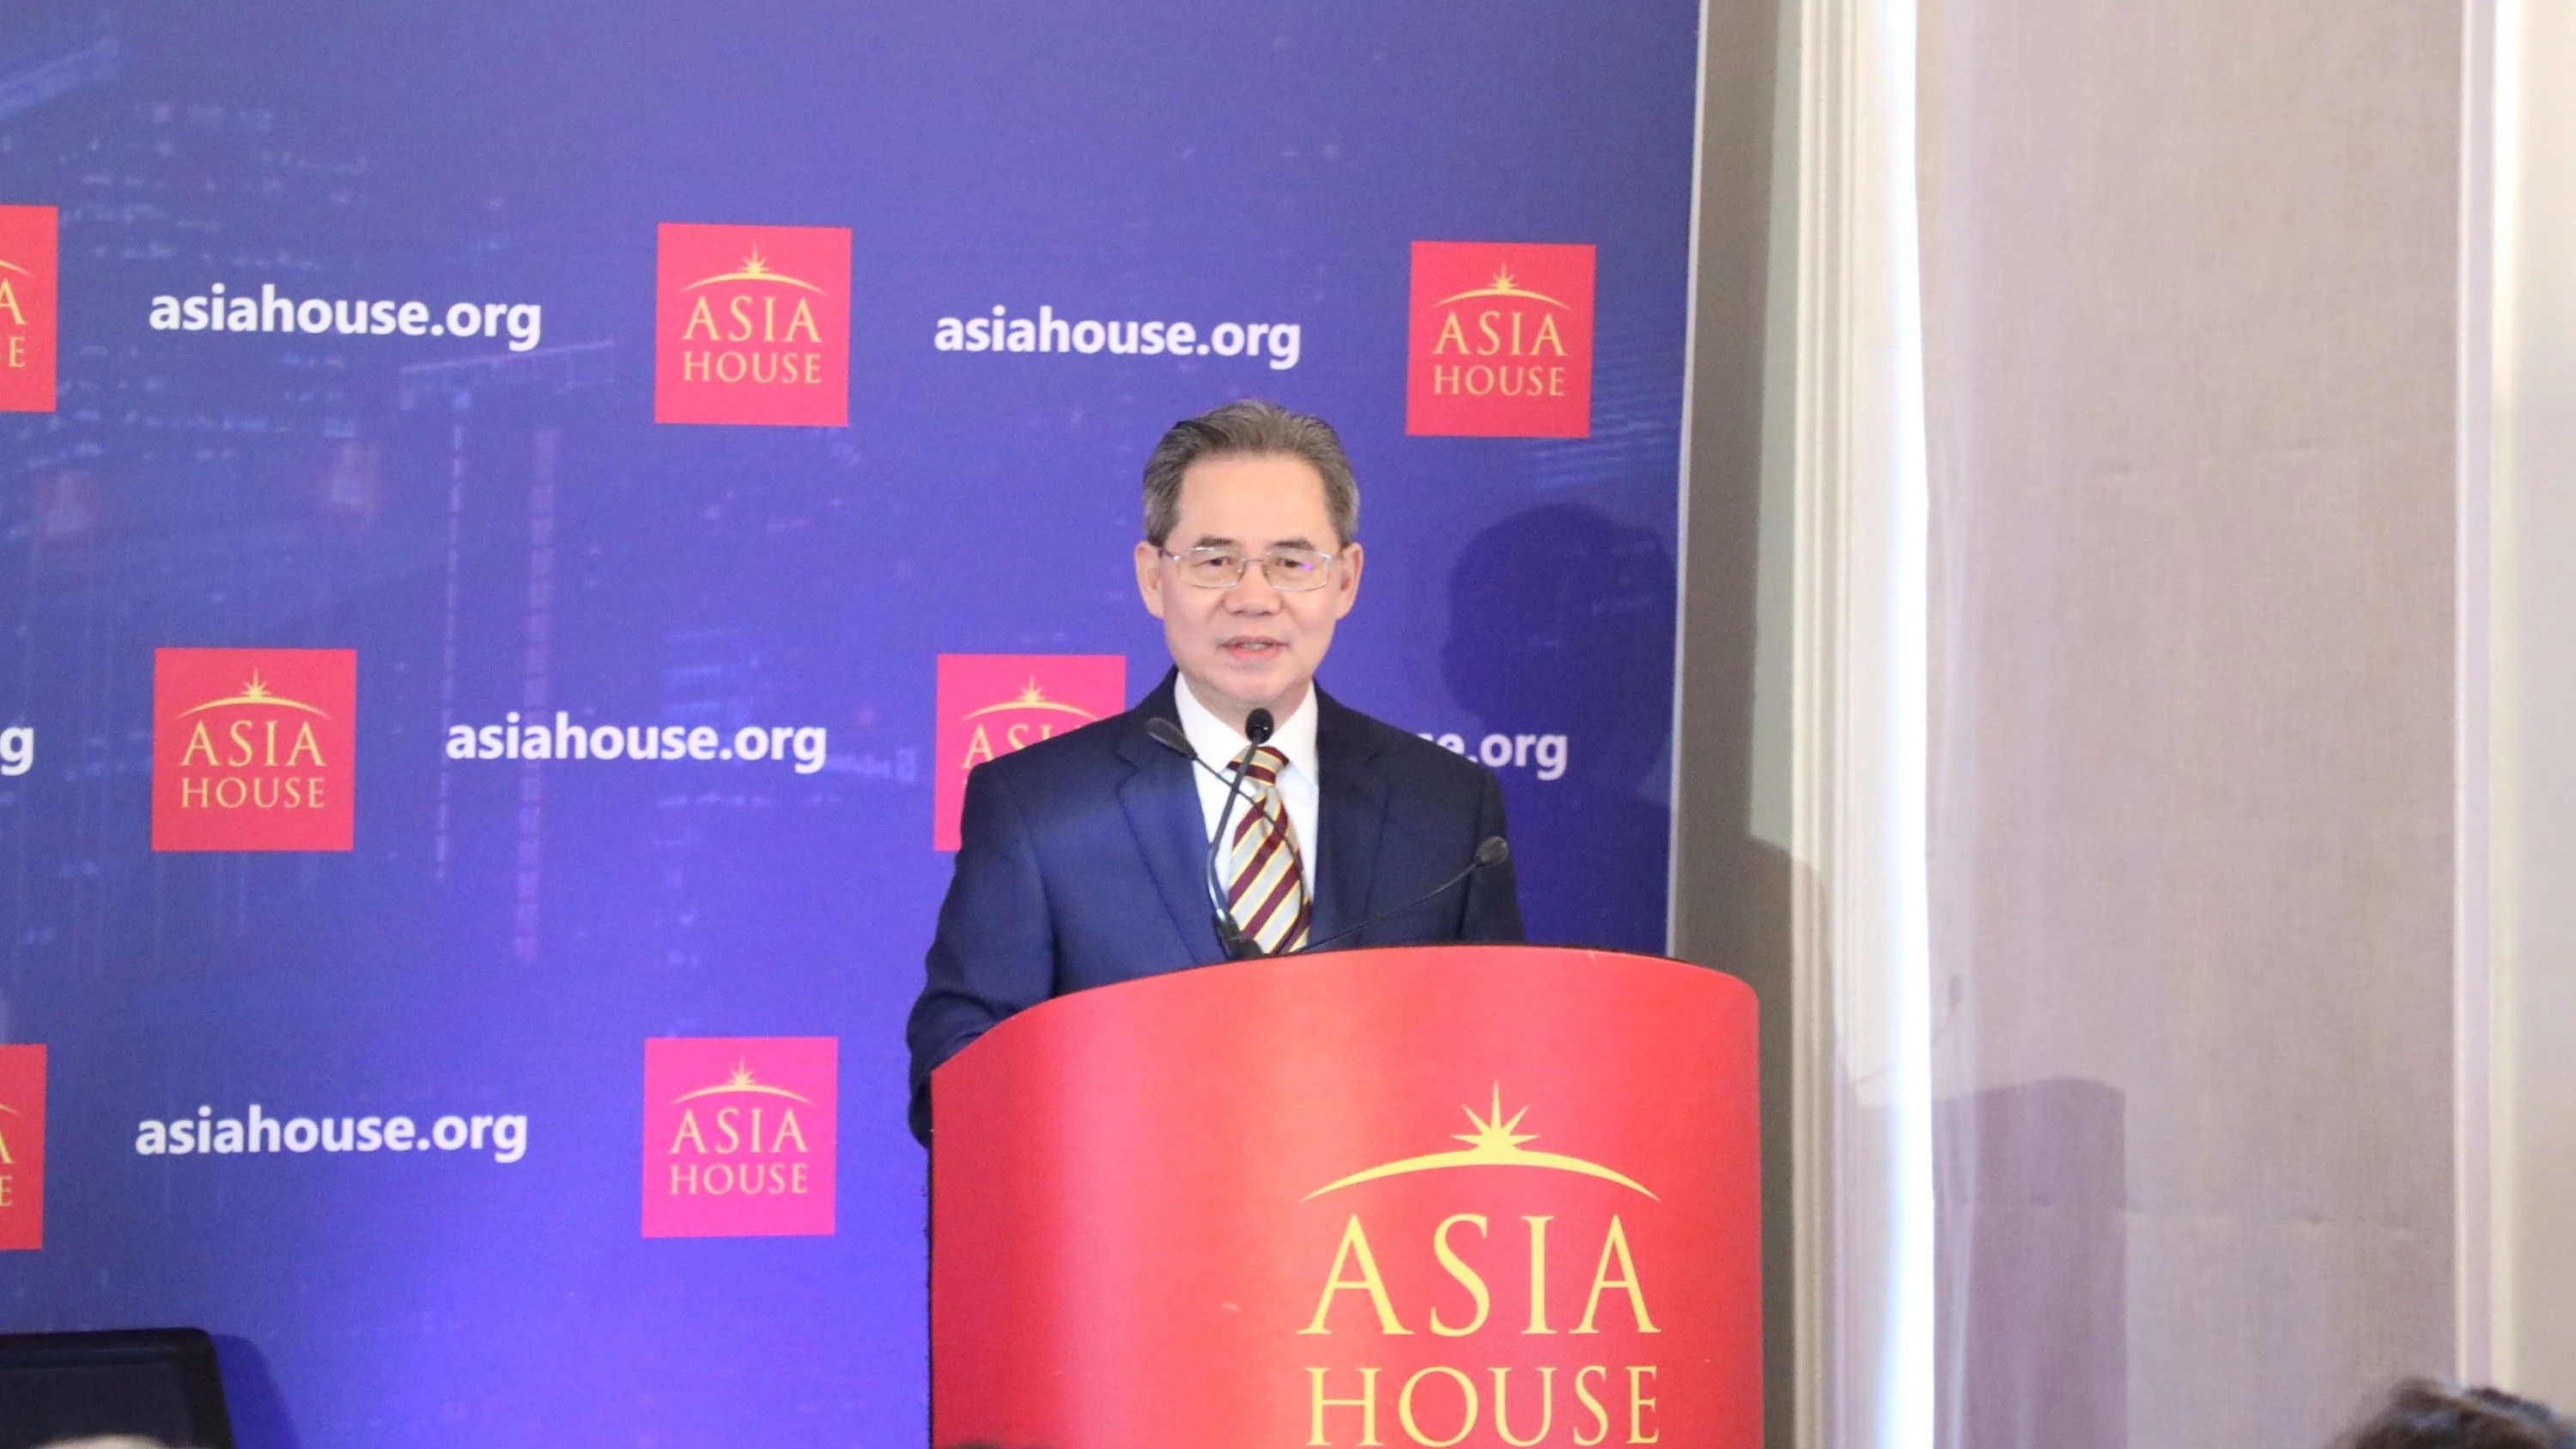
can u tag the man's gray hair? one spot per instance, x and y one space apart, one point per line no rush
1249 428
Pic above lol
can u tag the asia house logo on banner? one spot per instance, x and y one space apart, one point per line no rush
22 1147
254 749
740 1136
1499 342
998 704
752 325
28 286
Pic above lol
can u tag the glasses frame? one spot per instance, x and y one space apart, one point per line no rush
1243 570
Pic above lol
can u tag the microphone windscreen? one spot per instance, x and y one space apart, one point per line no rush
1494 851
1257 727
1169 736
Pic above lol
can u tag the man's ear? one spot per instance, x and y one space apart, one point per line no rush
1347 580
1149 577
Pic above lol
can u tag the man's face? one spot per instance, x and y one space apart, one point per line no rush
1251 646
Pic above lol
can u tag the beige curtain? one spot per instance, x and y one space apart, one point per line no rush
2188 302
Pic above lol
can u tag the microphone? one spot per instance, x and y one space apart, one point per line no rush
1492 851
1257 728
1169 736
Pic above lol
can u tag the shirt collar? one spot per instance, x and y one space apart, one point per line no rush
1218 742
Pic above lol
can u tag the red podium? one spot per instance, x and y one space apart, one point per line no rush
1446 1196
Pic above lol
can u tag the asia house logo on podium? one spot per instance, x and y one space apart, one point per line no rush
22 1147
1499 341
740 1136
1458 1305
992 705
28 285
752 325
254 749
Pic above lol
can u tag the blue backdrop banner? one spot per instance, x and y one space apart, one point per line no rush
523 516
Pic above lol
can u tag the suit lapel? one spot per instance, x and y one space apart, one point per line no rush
1162 805
1353 809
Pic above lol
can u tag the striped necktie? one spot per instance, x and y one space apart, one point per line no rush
1267 881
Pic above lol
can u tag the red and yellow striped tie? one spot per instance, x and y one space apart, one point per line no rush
1267 890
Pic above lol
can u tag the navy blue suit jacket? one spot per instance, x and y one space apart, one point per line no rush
1083 861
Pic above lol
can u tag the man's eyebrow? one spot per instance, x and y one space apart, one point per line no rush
1207 540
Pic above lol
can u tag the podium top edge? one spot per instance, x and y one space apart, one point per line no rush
1109 995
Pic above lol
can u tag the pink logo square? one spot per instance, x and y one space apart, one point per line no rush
740 1136
254 749
999 704
1501 341
752 325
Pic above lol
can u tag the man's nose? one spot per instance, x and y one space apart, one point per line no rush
1253 594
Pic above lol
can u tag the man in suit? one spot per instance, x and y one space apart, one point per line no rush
1084 858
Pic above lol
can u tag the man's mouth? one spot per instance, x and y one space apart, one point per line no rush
1251 648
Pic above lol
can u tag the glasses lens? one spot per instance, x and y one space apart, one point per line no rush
1212 568
1290 570
1293 569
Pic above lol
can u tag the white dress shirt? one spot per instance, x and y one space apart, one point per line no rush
1300 785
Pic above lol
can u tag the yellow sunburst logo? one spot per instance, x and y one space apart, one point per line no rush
14 267
740 1082
254 692
1504 284
1494 1143
754 268
1031 697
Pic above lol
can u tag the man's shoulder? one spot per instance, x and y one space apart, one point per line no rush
1401 754
1076 757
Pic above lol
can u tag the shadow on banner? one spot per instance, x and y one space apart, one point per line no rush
1563 614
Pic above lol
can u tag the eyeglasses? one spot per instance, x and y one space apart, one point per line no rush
1289 570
